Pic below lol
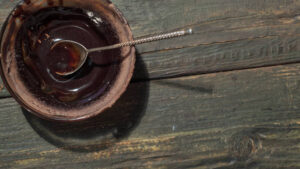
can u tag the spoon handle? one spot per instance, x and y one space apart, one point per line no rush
144 40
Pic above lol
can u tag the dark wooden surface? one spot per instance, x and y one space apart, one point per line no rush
226 97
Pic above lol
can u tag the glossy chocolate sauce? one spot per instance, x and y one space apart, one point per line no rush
37 63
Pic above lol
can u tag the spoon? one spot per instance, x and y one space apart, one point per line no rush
83 52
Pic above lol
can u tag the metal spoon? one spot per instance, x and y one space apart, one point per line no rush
84 52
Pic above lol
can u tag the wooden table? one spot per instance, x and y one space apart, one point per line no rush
226 97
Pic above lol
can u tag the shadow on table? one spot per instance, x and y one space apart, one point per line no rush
103 131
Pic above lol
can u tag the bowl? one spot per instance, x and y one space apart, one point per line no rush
26 65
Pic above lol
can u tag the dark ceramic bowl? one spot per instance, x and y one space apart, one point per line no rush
25 75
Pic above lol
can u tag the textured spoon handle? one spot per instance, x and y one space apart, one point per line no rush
144 40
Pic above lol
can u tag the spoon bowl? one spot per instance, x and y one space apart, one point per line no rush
77 52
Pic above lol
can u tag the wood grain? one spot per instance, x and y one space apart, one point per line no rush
237 119
229 34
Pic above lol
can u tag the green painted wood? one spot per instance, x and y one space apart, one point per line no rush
236 119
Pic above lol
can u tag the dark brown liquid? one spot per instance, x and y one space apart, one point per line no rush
38 63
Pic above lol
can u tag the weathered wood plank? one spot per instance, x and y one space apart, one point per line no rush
229 34
238 119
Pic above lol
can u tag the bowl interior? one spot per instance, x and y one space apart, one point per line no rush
27 62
